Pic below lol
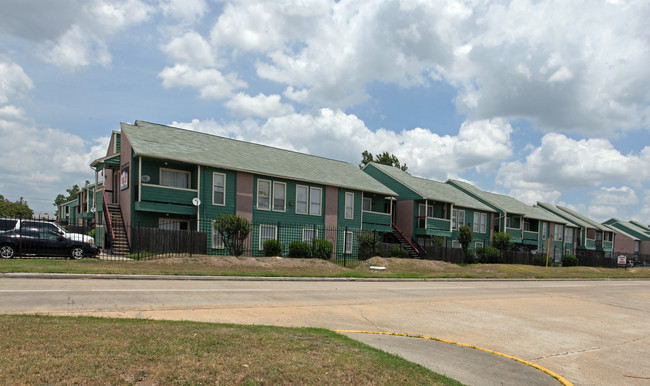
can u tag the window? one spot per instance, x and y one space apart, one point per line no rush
217 240
557 234
315 200
455 244
219 189
263 194
608 236
302 196
267 232
568 235
544 225
172 224
349 205
308 235
279 195
457 218
636 246
430 211
367 204
347 244
478 244
480 222
175 178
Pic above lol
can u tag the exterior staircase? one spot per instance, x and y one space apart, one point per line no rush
120 243
413 251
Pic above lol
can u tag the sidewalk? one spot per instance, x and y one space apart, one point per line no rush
466 365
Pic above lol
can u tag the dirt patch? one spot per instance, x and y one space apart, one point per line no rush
246 264
407 265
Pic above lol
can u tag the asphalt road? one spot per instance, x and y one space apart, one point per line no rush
590 332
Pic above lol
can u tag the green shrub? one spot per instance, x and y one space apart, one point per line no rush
569 261
367 240
540 259
323 249
470 257
272 248
489 255
299 249
233 230
400 252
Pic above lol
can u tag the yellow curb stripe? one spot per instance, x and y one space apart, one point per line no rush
560 378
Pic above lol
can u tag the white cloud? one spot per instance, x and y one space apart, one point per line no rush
615 196
190 49
334 134
184 10
40 163
561 163
211 82
13 81
258 106
76 48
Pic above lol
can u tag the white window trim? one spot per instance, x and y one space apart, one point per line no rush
320 200
307 203
456 224
259 236
284 204
345 209
315 233
478 244
167 220
224 188
456 244
217 240
348 236
189 177
257 195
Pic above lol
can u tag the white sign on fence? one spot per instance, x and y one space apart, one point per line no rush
622 260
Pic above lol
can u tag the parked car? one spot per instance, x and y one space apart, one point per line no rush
12 223
43 242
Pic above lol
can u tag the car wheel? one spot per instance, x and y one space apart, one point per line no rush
77 253
7 252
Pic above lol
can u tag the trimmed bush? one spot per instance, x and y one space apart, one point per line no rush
399 252
490 255
272 248
299 249
323 249
569 261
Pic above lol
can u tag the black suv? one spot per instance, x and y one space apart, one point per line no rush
43 242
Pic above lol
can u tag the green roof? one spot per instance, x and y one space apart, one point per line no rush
621 231
629 227
509 204
591 223
166 142
432 190
575 221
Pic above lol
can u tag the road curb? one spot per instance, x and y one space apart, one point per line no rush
560 378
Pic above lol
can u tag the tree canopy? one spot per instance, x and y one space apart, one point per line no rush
14 209
62 198
384 158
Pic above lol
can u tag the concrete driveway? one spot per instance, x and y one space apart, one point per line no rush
590 332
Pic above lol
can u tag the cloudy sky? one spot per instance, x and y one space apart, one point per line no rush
542 100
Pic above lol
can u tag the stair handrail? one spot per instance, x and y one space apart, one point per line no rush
404 237
107 214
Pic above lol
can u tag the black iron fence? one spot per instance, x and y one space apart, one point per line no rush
344 245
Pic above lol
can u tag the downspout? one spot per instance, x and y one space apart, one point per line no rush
451 223
140 178
198 193
426 214
362 210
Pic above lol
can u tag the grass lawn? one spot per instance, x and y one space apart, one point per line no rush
270 266
84 350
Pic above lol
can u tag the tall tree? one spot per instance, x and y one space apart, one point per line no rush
61 198
384 158
15 209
